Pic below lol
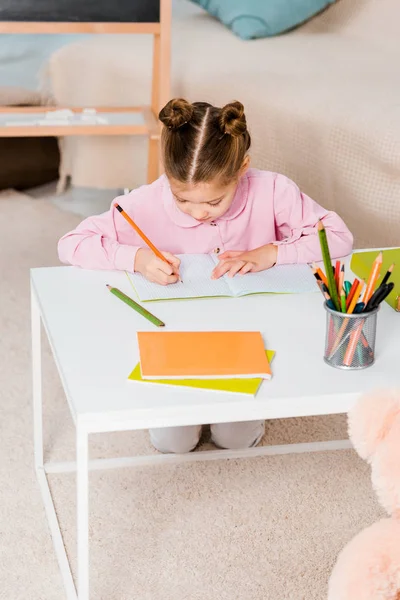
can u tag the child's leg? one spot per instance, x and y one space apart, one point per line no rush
176 440
237 435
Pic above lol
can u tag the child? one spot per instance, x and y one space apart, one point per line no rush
209 200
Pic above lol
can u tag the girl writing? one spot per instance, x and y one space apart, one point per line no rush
209 200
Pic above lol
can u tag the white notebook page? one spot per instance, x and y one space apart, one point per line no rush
283 279
195 271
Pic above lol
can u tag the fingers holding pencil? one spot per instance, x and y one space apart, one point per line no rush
163 272
164 256
174 261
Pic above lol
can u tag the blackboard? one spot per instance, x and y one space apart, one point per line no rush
81 11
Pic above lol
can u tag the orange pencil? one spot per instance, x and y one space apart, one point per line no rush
320 272
351 348
352 292
142 235
356 296
373 277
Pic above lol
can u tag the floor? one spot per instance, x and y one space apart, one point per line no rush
79 201
256 529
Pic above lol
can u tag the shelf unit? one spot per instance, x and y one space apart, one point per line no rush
134 120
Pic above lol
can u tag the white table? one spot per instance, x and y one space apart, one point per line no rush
93 339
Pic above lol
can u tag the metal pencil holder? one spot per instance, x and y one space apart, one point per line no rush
350 339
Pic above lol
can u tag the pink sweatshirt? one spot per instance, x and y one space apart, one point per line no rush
267 207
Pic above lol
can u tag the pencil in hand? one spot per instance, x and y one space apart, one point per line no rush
144 237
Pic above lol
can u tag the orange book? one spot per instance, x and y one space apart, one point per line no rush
202 354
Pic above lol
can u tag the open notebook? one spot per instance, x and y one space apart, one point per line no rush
196 272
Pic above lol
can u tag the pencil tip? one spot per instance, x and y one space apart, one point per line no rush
108 286
320 225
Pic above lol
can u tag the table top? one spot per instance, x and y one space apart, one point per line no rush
93 338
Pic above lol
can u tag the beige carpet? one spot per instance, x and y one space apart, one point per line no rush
257 529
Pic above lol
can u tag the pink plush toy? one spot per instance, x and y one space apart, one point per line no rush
368 568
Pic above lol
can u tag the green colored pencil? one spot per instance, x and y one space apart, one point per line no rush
328 266
142 311
343 301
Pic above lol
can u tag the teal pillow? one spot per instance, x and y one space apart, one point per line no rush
251 19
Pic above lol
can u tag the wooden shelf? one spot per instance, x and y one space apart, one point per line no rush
95 17
24 27
65 121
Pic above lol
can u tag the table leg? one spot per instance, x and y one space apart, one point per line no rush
82 498
38 450
37 383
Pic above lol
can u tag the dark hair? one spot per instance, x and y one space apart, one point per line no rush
201 142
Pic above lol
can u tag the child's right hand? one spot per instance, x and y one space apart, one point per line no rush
155 269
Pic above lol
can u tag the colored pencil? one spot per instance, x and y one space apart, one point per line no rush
341 280
352 345
387 274
343 300
352 292
355 297
316 275
325 294
381 290
142 311
379 296
375 297
142 235
373 277
328 265
320 273
337 272
329 303
389 289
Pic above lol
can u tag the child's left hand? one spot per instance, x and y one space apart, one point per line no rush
252 261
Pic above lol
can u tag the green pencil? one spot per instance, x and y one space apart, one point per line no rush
328 266
142 311
343 301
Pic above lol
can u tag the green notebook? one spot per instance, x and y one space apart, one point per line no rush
361 263
239 386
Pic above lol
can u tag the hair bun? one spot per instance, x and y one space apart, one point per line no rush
176 113
232 119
